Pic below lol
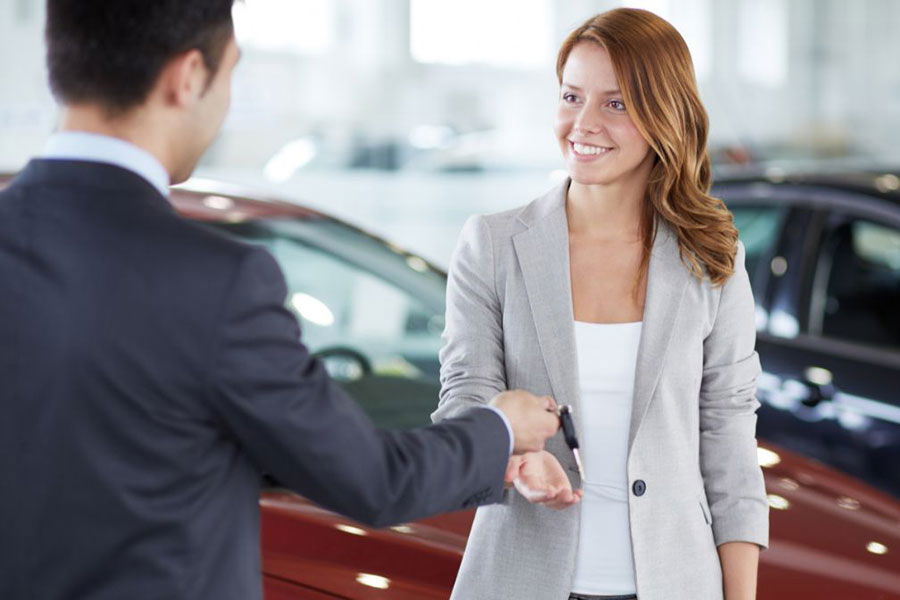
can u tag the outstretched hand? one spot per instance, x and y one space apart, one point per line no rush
533 418
540 479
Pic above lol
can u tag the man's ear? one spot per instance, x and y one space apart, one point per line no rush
183 79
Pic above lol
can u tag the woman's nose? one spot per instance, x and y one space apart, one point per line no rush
588 121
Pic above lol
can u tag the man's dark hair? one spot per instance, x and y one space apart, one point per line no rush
112 51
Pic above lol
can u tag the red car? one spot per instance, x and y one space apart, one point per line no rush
374 313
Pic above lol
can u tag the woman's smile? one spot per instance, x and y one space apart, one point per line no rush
588 152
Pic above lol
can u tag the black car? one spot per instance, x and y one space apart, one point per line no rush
823 254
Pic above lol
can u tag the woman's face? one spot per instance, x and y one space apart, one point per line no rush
599 141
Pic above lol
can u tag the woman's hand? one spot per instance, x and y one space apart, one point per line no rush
740 566
540 479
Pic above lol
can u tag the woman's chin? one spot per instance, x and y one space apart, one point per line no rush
581 177
607 175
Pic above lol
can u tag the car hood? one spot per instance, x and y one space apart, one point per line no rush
831 536
828 531
305 544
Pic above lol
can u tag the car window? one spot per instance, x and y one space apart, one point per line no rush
857 290
758 227
374 319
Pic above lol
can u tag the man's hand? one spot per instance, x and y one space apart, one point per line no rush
540 479
533 419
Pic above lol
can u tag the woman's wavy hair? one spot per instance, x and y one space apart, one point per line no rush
656 76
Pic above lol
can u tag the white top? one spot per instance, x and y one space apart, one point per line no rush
93 147
607 357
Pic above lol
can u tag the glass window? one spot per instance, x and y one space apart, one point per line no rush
297 26
373 314
764 64
758 227
436 32
857 292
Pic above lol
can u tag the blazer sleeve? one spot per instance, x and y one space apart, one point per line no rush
281 407
472 362
728 457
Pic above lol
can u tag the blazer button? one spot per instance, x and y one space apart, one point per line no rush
639 487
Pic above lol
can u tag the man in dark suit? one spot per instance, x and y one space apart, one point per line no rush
149 372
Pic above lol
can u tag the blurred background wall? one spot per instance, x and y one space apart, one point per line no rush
408 115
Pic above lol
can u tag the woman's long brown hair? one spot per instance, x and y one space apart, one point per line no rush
656 76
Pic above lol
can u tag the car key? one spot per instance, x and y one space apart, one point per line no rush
568 427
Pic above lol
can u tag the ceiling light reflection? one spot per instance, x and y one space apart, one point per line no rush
876 548
789 484
766 457
848 503
778 502
783 324
289 159
818 375
350 529
417 264
887 183
218 203
312 309
375 581
403 529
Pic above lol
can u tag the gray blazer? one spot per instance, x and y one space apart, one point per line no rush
692 438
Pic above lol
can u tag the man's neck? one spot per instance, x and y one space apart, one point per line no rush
131 127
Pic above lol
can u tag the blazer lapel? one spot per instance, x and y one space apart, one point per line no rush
666 283
543 254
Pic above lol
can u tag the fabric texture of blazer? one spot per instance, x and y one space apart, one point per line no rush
149 375
692 450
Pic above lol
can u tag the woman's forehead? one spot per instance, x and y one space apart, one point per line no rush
589 67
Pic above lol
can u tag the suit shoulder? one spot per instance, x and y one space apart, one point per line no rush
516 219
505 216
501 223
507 222
202 266
199 240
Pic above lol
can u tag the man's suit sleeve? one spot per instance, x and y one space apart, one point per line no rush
300 427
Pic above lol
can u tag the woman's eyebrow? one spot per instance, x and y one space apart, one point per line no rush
613 92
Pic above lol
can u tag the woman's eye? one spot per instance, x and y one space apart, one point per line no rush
569 98
617 105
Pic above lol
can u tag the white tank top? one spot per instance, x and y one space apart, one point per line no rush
607 357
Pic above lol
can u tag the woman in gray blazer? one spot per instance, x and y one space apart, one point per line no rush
622 292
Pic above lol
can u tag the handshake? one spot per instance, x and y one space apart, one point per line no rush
535 473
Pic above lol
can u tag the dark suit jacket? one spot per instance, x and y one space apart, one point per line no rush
149 373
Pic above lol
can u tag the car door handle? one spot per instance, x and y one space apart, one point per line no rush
820 384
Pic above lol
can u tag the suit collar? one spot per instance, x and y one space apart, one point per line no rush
542 250
85 146
103 177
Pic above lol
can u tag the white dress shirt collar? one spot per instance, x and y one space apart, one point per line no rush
79 145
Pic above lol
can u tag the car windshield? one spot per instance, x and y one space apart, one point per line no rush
373 312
